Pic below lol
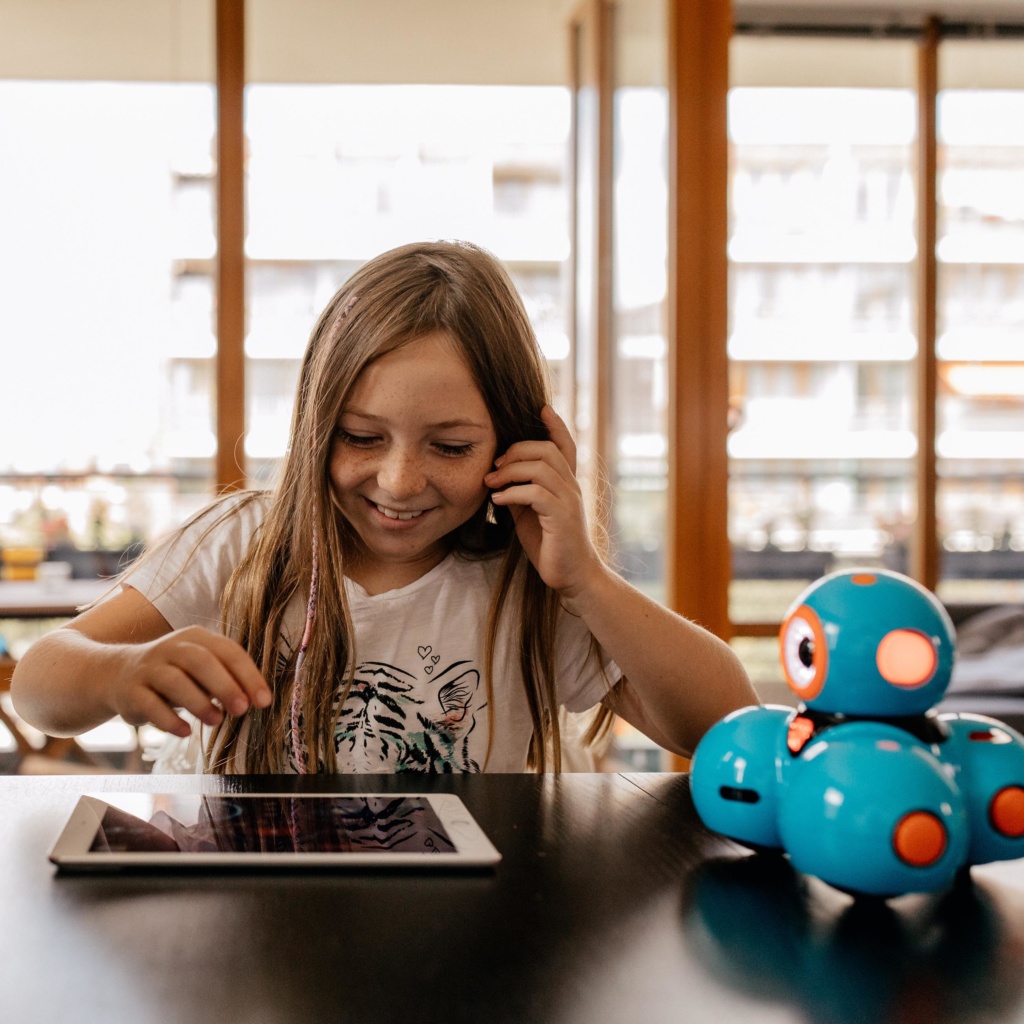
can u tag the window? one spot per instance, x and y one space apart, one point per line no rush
105 200
638 455
821 337
980 333
111 247
338 173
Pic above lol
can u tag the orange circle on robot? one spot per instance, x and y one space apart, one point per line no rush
919 839
1006 812
906 658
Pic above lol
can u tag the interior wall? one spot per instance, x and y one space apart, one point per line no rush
862 63
430 41
981 64
880 14
513 42
801 61
107 40
496 42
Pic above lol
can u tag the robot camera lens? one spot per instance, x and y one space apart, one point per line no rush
805 652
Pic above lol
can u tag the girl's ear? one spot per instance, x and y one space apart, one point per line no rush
488 529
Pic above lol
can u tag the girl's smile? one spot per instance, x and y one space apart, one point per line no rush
412 446
391 513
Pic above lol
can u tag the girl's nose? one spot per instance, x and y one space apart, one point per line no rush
400 474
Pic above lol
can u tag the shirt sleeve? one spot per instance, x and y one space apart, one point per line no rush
184 576
583 670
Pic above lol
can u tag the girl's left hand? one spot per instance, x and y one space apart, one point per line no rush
536 480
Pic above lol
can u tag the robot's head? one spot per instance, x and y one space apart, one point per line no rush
867 642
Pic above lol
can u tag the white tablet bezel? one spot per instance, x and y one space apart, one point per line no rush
472 847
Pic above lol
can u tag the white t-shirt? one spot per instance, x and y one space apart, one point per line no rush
418 700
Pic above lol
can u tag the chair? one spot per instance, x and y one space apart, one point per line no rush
58 755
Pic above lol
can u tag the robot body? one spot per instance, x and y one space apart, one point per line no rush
863 785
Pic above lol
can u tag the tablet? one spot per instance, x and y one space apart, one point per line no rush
293 830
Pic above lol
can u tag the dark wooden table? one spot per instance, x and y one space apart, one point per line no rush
612 904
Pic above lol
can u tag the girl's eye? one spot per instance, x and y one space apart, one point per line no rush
356 440
454 450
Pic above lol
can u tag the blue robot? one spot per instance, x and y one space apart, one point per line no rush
864 785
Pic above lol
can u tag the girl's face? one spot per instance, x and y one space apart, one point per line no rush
411 448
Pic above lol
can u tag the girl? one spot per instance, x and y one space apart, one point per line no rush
420 591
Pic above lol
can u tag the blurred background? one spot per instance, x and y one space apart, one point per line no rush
368 124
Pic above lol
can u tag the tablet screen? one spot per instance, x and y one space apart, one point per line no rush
272 824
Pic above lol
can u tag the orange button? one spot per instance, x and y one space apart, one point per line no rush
919 839
800 731
1006 812
906 658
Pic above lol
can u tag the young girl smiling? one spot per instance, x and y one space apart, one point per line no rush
419 592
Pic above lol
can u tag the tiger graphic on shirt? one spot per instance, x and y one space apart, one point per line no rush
407 722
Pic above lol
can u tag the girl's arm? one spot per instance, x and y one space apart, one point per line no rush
679 678
121 657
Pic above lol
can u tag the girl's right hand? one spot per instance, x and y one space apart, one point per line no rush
202 672
121 657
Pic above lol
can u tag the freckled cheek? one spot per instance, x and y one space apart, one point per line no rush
348 469
461 484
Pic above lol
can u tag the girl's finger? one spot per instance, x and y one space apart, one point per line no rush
240 666
559 432
540 473
148 707
526 495
179 690
210 677
537 452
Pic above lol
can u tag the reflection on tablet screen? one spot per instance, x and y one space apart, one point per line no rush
278 824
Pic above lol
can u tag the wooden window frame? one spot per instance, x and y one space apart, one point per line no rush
590 330
230 473
698 564
924 544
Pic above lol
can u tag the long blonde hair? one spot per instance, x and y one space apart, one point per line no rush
450 287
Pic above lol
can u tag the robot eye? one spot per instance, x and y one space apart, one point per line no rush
804 652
